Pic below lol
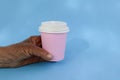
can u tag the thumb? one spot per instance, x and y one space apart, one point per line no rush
37 51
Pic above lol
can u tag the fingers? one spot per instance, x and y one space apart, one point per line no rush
24 62
35 40
41 53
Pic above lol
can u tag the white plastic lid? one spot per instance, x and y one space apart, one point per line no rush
54 27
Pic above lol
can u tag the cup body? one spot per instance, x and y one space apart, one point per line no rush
53 35
55 44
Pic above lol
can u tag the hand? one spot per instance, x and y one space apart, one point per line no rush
23 53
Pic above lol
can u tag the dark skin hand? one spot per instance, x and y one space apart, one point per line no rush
26 52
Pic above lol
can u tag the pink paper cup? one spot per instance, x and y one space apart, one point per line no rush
54 44
53 35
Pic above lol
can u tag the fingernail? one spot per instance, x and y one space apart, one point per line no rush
49 56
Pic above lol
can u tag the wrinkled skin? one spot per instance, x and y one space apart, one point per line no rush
23 53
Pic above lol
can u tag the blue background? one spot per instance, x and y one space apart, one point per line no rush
93 44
